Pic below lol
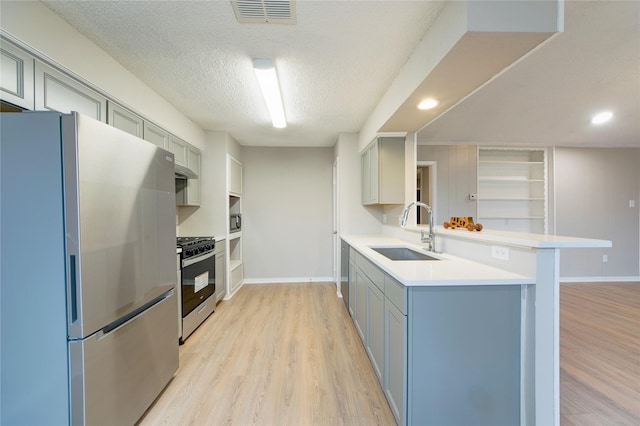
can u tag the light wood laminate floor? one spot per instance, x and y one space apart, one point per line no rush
281 354
288 354
600 354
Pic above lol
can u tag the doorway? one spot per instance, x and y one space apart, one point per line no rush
425 188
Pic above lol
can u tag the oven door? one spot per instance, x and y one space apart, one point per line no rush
198 280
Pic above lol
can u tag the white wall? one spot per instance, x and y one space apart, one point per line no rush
354 218
210 219
37 28
287 214
593 187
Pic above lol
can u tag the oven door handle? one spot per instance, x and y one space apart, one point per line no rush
196 259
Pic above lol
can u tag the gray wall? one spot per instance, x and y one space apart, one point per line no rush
593 190
287 213
456 179
589 194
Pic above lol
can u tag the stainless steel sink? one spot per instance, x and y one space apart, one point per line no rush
402 253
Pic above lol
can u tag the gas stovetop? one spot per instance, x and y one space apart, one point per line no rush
194 246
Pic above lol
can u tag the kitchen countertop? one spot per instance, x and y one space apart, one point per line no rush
449 271
521 238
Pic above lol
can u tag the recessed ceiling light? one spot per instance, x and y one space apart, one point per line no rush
428 104
601 117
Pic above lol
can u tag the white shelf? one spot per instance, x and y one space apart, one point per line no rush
508 179
234 235
233 264
512 188
480 198
513 163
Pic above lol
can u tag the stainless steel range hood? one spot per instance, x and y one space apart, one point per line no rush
184 173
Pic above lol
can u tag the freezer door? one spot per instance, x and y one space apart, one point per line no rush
120 223
116 376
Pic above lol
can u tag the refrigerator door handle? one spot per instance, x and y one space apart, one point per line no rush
73 287
122 322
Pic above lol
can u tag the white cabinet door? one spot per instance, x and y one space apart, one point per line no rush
235 176
221 272
179 149
156 135
57 92
193 185
123 119
16 76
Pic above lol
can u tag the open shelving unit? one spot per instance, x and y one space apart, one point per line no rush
512 189
234 239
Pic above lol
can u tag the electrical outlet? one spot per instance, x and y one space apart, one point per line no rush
632 203
500 252
605 258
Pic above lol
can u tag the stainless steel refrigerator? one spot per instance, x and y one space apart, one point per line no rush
88 304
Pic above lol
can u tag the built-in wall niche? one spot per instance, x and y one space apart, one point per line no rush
234 205
512 189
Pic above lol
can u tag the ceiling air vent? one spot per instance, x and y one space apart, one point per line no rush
265 11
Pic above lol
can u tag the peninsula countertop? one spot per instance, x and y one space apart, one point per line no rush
448 271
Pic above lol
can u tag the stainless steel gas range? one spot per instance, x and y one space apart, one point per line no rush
197 295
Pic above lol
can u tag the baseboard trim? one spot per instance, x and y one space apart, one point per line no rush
599 279
289 280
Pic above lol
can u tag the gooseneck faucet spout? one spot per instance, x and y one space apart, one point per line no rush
430 239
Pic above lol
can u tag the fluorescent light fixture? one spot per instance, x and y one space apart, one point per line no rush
601 117
268 80
428 104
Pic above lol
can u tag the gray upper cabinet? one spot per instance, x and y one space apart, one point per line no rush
188 191
382 168
193 185
179 149
16 76
156 135
56 91
123 119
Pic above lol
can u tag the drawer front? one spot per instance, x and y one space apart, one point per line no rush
370 270
394 291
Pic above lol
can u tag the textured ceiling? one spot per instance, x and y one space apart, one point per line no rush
549 96
339 58
334 64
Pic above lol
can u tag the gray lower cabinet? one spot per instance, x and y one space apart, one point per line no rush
360 318
221 270
125 120
56 91
464 358
16 76
444 355
352 280
375 328
395 346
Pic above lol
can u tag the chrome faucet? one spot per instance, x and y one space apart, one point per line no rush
431 238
